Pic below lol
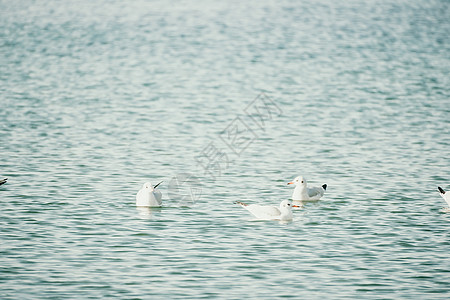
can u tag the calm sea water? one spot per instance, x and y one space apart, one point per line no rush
98 97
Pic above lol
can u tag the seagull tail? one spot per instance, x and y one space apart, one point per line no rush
157 184
441 190
240 203
324 187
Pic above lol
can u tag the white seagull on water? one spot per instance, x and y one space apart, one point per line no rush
446 196
148 196
266 212
304 193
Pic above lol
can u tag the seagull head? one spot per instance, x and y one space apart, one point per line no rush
299 180
286 204
148 186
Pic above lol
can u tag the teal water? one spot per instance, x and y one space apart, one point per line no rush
97 97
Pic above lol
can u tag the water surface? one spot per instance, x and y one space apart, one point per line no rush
98 97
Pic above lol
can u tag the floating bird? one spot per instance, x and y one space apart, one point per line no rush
446 196
304 193
3 181
266 212
148 196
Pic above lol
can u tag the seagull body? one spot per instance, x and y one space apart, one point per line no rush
3 181
445 195
266 212
148 196
303 193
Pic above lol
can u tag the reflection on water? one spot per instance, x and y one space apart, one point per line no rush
146 212
299 203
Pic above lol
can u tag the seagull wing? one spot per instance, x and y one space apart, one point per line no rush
315 193
447 198
445 195
158 196
263 211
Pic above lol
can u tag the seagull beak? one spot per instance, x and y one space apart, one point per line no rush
295 206
290 183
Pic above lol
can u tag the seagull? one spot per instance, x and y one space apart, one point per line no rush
304 193
148 196
446 197
3 181
266 212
